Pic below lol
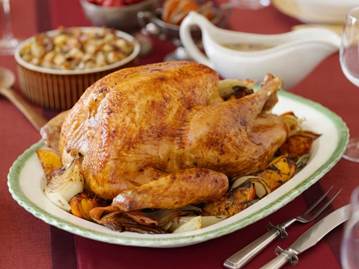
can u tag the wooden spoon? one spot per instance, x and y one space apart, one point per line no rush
7 79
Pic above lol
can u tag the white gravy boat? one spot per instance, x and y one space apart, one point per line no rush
291 56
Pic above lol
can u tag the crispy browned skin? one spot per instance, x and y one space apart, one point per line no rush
132 120
235 137
189 186
138 124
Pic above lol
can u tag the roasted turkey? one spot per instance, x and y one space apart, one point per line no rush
165 135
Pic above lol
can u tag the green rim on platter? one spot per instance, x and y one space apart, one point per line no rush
185 238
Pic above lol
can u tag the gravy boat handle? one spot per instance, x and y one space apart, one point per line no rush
193 19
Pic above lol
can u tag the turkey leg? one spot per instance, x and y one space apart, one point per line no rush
189 186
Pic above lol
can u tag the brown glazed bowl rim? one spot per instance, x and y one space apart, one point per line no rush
128 37
156 18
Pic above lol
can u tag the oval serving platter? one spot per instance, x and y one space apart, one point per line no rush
25 182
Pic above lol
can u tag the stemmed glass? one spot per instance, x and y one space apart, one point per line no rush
350 243
349 61
8 42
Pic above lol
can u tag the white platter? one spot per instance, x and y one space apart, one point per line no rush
316 11
25 181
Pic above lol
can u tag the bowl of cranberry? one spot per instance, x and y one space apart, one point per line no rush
120 14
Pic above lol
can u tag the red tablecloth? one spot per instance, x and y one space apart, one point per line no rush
26 242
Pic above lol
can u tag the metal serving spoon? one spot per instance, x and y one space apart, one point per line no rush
7 79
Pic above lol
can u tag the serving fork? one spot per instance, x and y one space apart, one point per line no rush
246 254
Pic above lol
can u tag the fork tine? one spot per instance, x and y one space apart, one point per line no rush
320 210
318 201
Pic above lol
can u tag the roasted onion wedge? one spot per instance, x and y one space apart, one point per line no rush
64 185
194 223
191 224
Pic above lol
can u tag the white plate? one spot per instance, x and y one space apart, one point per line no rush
25 181
316 11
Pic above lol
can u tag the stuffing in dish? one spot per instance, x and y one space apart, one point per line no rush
169 147
76 49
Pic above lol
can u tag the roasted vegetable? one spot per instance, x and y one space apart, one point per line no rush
232 203
64 185
82 203
186 224
120 221
135 221
298 144
169 218
97 213
164 219
278 171
261 187
50 160
191 224
292 122
302 161
237 182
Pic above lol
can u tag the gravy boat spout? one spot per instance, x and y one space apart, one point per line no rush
291 56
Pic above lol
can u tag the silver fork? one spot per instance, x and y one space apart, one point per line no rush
243 256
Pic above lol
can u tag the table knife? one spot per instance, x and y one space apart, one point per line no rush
309 238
